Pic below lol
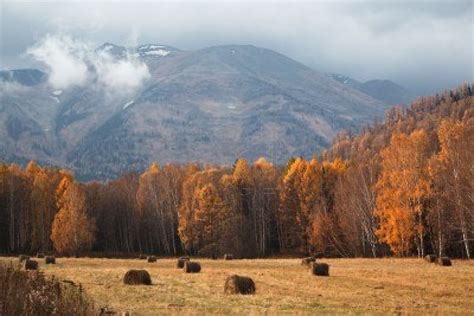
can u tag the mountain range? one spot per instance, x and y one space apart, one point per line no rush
211 105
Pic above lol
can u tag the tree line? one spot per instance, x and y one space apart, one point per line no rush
404 187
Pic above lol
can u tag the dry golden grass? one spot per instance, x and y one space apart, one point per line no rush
367 286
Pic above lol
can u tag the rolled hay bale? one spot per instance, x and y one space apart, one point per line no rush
444 261
151 259
320 269
191 267
142 256
228 256
236 284
308 261
181 261
430 258
40 255
50 260
23 258
137 277
31 264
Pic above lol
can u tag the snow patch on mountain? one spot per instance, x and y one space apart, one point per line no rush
147 47
128 104
55 98
153 50
159 52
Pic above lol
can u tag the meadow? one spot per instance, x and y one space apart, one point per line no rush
284 286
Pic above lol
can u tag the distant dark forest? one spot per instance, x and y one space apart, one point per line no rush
404 187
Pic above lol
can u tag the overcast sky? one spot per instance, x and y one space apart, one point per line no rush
422 45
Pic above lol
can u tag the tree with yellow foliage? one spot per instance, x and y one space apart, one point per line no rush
453 170
210 217
291 234
402 191
72 230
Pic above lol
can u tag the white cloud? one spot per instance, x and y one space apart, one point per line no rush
120 74
72 62
65 59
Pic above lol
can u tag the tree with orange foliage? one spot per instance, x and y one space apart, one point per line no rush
453 170
291 234
72 230
402 191
189 230
317 196
210 217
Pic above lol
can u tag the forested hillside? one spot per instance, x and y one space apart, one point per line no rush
404 187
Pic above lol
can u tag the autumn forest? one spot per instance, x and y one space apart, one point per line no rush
404 187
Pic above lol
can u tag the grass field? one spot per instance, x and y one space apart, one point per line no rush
366 286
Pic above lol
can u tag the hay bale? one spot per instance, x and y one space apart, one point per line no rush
23 258
50 260
228 256
142 256
236 284
308 261
191 267
430 258
40 255
137 277
320 269
444 261
181 261
151 259
31 264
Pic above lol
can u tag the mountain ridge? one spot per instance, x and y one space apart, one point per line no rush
210 105
382 89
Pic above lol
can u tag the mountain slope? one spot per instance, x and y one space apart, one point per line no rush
26 77
384 90
210 105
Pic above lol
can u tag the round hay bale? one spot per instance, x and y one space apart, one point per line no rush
50 260
430 258
181 261
142 257
151 259
228 256
320 269
307 261
40 255
31 264
444 261
236 284
191 267
23 258
137 277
